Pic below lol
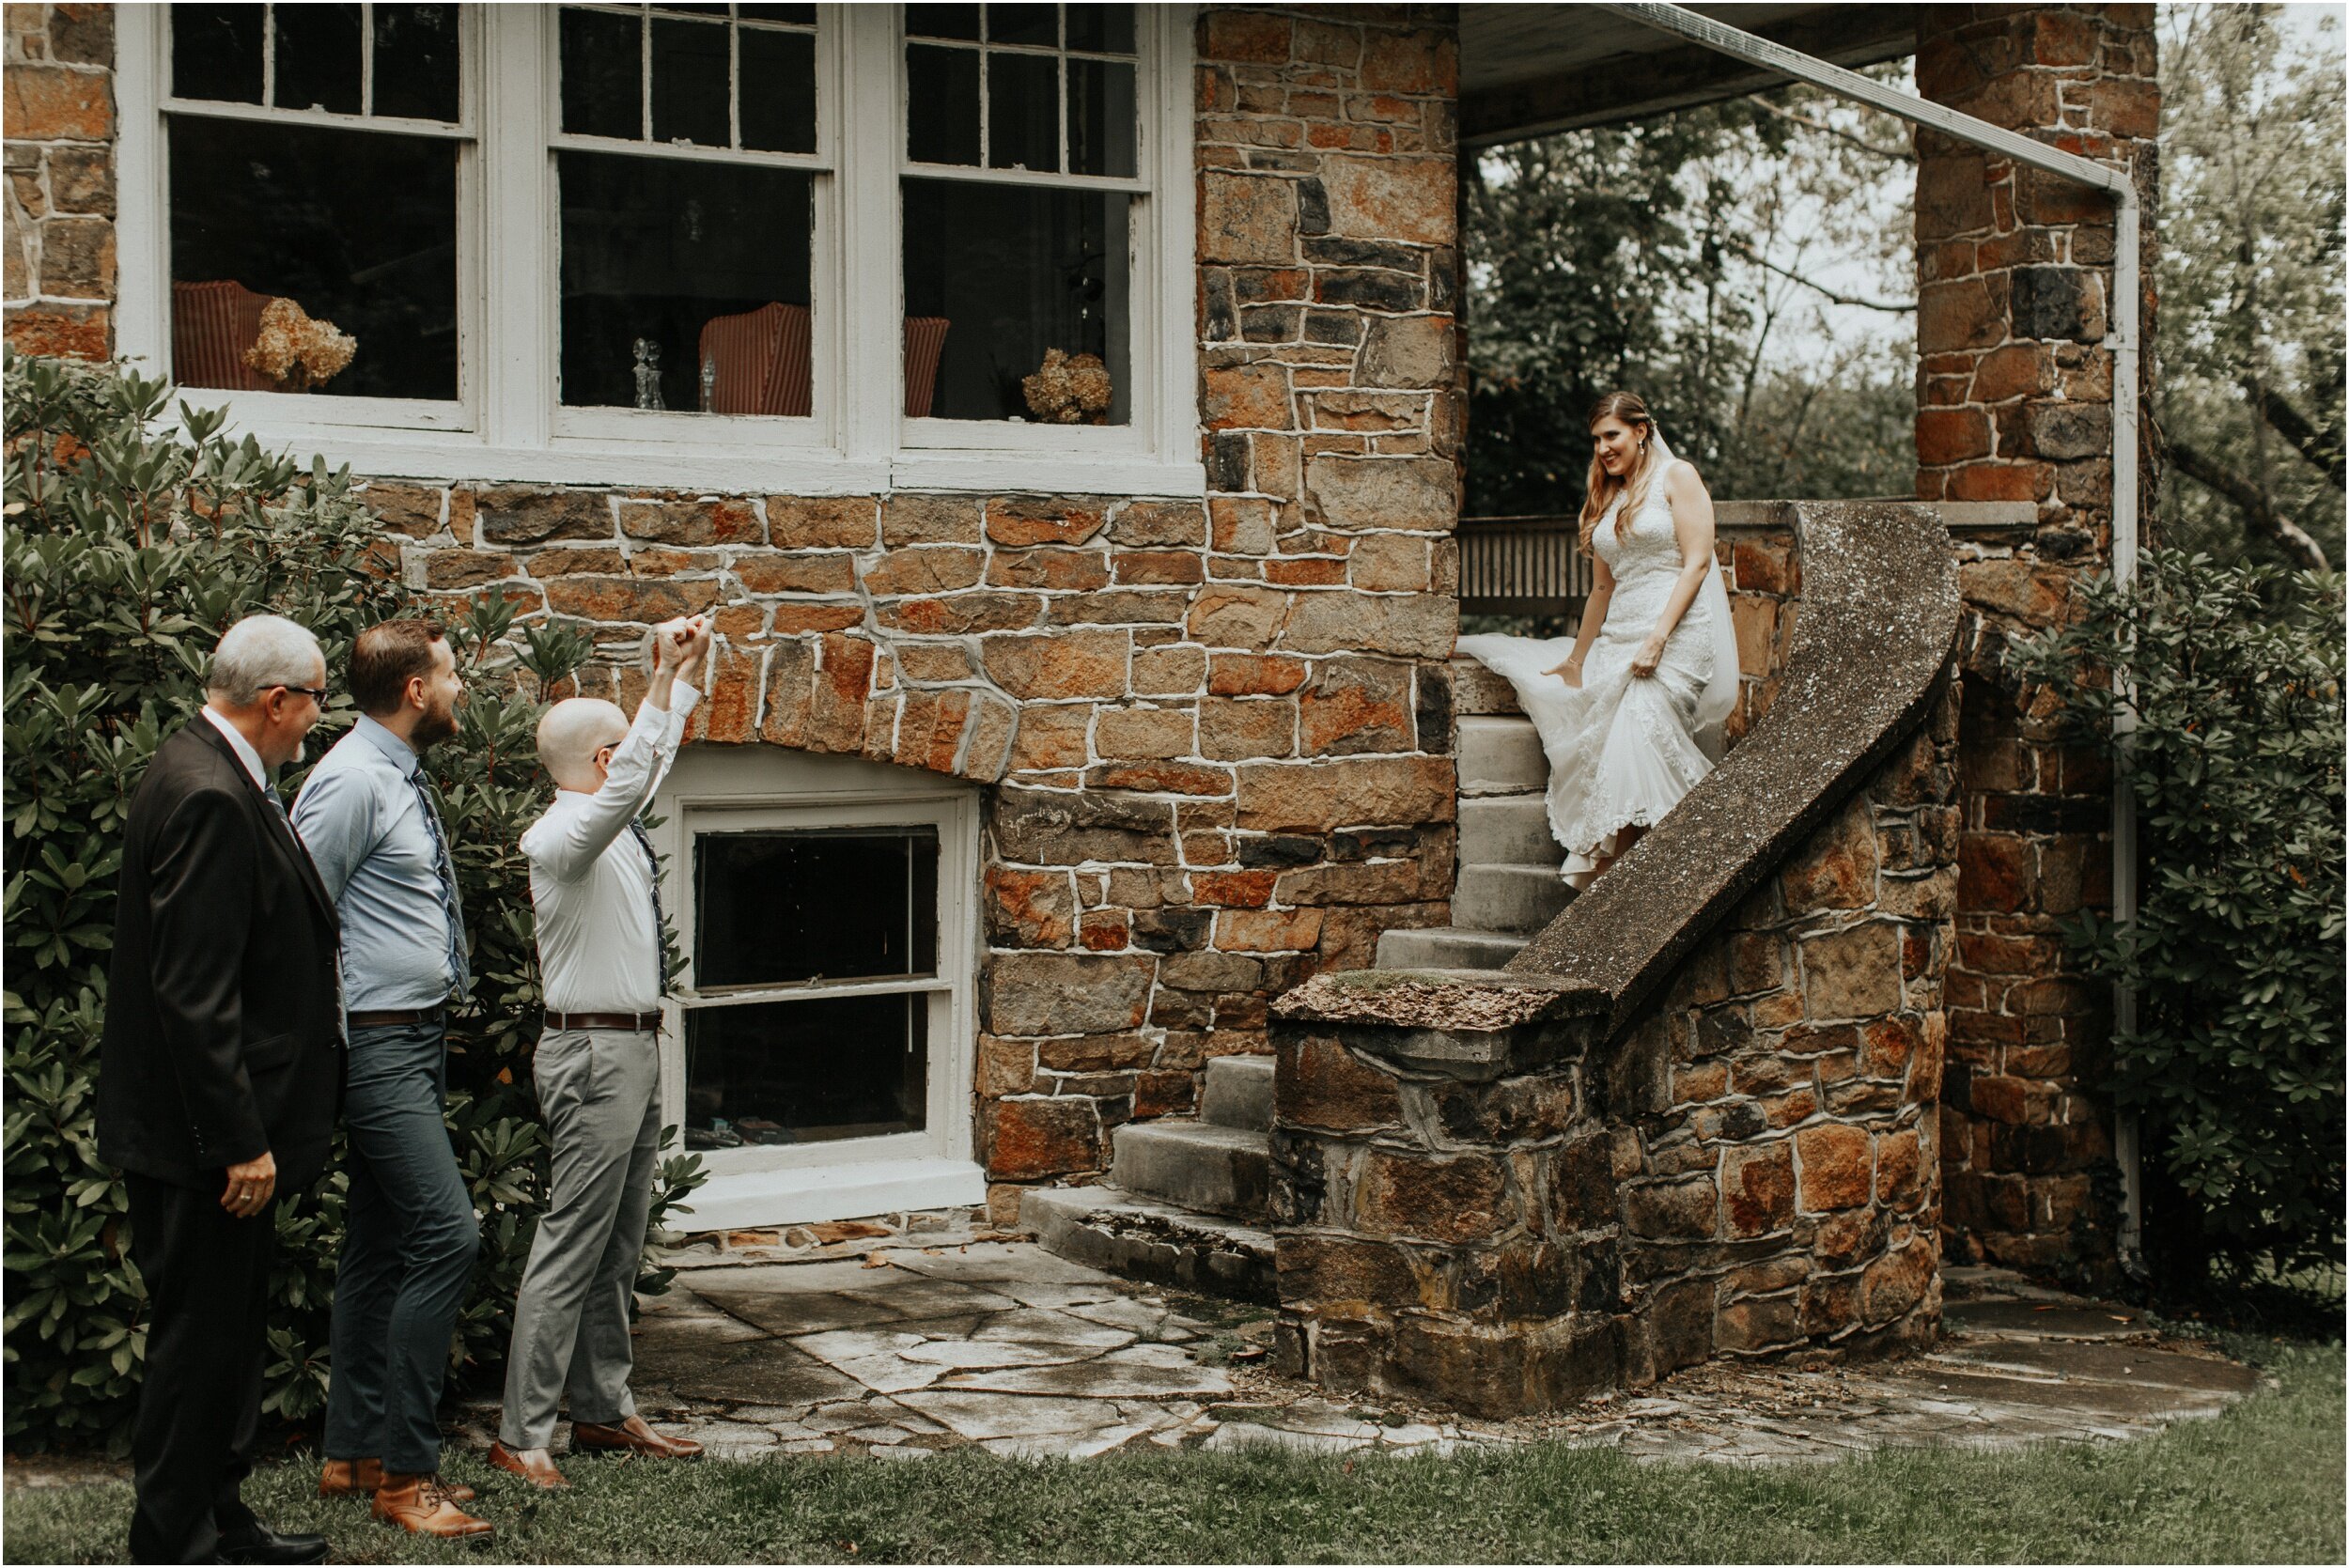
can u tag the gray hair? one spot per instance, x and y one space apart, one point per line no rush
259 652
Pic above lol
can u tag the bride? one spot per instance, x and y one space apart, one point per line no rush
1630 709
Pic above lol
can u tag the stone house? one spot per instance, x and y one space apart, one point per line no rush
1073 712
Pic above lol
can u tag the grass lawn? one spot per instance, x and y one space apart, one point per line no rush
2263 1483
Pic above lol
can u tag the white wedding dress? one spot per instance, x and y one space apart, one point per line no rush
1622 749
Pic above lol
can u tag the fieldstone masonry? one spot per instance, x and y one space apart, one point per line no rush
59 244
2015 394
1686 1121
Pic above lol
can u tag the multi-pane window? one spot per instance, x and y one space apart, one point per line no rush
1019 187
685 163
815 976
313 157
901 234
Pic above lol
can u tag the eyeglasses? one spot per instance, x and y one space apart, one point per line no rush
315 693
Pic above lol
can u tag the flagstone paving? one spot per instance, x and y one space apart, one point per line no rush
933 1341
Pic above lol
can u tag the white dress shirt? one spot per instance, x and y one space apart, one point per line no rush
599 950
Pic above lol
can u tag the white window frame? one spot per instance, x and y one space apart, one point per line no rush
507 425
717 789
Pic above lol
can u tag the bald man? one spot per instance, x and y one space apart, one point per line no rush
596 889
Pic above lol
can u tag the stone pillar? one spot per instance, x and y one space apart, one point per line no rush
59 217
2014 393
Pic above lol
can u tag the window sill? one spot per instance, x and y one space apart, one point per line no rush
754 466
811 1194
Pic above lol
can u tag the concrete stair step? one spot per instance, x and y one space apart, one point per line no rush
1519 899
1476 689
1195 1166
1104 1227
1447 947
1501 756
1506 829
1238 1093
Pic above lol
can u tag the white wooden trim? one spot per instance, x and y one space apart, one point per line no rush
737 1201
721 788
508 424
142 232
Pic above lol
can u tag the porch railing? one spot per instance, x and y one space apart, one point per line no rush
1523 565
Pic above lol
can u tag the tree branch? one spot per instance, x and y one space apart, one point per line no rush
2322 448
1896 155
2247 500
1890 307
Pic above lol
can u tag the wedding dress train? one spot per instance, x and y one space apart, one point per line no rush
1624 750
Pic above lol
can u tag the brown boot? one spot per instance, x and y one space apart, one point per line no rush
340 1478
421 1505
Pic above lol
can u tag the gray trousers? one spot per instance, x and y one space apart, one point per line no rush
598 1089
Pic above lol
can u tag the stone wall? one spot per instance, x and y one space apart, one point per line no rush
1697 1115
2015 389
1751 1167
59 233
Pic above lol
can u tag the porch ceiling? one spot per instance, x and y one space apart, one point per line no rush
1529 69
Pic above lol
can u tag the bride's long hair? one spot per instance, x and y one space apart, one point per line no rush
1603 487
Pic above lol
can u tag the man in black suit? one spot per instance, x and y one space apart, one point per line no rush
218 1078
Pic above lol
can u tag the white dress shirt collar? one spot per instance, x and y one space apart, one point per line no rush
243 747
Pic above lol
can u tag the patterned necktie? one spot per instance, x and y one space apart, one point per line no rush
659 920
459 969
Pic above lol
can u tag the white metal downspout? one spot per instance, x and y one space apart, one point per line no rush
2123 338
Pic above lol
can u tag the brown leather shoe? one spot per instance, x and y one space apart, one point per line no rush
540 1472
632 1436
421 1505
340 1478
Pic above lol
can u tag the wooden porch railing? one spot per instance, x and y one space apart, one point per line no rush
1525 566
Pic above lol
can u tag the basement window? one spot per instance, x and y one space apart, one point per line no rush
815 970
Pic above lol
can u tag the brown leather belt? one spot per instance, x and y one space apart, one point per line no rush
633 1021
396 1015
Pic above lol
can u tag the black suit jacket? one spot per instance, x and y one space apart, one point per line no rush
224 1017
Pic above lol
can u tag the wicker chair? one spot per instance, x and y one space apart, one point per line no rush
212 324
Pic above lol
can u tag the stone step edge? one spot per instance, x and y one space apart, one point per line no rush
1108 1228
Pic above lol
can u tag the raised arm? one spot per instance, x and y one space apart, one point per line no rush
566 846
1693 527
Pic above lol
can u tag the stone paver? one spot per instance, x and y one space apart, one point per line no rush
906 1349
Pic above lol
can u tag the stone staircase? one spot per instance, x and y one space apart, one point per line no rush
1508 887
1184 1204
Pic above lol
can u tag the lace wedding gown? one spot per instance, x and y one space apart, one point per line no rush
1624 750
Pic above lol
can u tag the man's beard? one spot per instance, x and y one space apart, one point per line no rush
437 725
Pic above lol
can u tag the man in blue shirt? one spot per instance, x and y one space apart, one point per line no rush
370 822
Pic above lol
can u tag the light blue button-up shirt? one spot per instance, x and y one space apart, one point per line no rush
364 825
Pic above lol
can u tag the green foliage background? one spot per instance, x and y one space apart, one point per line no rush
2235 763
132 542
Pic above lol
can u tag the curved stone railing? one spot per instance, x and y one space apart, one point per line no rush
1878 620
1695 1116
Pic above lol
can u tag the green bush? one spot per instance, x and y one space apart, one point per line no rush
2236 1063
132 542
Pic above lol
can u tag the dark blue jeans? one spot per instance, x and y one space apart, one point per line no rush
408 1252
